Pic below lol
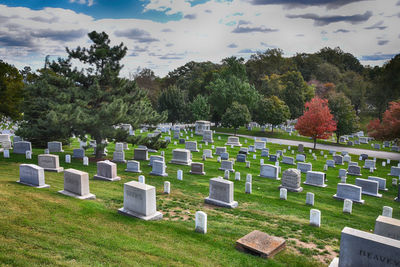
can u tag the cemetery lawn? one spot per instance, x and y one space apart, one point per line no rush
43 227
280 134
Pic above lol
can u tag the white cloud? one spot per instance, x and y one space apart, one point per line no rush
206 36
82 2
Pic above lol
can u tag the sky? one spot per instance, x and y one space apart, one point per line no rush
165 34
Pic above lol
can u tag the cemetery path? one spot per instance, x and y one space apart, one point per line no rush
351 150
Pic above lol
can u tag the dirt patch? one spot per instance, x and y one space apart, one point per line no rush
321 256
178 215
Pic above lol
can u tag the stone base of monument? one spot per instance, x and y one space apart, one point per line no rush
215 202
272 178
119 161
174 161
371 194
197 173
59 169
98 177
356 201
154 217
130 170
70 194
260 244
334 262
354 174
233 144
159 174
32 185
231 170
290 189
324 185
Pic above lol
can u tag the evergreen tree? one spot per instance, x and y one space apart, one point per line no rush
103 100
47 109
174 101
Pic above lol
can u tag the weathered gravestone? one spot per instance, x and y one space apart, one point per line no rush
300 157
155 157
119 156
241 158
304 167
300 148
369 163
76 184
78 153
207 153
342 173
315 179
158 168
208 136
21 147
32 175
140 201
291 180
381 182
394 171
348 191
191 146
273 158
197 168
310 199
288 160
226 165
54 147
260 244
50 163
133 166
315 217
140 154
233 141
359 248
221 193
354 170
265 152
220 150
181 157
269 171
259 144
106 171
330 163
369 187
338 159
224 156
388 227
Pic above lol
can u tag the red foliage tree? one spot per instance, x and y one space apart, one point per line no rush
317 121
389 127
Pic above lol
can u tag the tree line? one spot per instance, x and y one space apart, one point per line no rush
60 100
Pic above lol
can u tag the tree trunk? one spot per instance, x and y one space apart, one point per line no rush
272 129
315 143
235 131
337 139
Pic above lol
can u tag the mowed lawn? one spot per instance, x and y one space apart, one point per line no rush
43 227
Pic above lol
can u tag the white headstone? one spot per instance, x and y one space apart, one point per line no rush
6 153
226 174
201 222
248 188
347 206
283 193
237 176
67 158
387 211
310 199
28 154
315 217
167 187
142 179
179 175
85 161
249 178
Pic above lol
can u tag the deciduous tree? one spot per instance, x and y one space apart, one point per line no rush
389 127
235 116
271 110
11 91
317 121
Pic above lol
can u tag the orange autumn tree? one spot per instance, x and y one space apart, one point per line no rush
389 127
317 121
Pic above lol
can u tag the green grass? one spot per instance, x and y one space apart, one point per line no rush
284 135
43 227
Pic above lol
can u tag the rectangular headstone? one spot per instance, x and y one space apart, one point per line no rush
269 171
221 193
76 184
32 175
21 147
304 167
315 179
369 187
348 191
388 227
54 147
50 163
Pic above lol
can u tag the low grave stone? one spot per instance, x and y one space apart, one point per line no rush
32 175
106 171
315 179
388 227
269 171
197 168
291 180
221 193
50 163
76 184
181 157
304 167
348 191
133 166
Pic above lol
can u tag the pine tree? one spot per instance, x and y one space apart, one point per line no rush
103 100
